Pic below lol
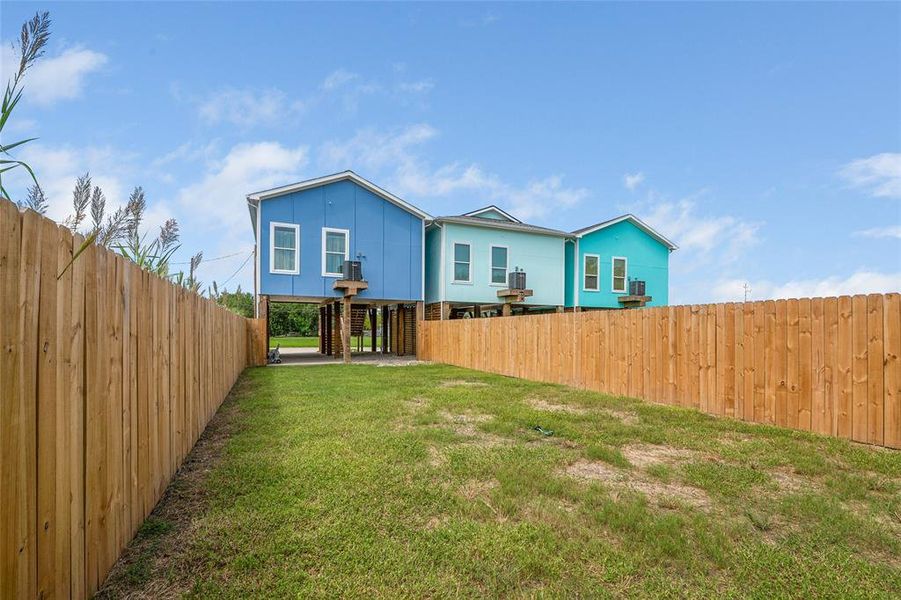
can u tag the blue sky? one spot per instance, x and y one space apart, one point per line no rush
765 139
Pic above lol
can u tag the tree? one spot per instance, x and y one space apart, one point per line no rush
238 301
293 319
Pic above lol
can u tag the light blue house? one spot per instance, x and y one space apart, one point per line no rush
608 263
469 258
305 231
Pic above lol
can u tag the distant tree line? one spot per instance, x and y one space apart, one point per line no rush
284 318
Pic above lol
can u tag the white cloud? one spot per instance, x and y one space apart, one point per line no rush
891 231
247 107
55 78
337 79
213 210
57 168
633 180
860 282
879 175
217 200
422 86
724 236
393 155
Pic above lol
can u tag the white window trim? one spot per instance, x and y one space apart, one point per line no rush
491 265
296 228
613 260
346 232
585 258
455 261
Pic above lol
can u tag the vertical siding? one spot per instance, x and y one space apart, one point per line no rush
387 238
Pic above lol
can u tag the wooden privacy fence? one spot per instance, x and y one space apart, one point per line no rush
108 375
828 365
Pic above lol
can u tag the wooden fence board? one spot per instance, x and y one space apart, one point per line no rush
875 364
94 414
860 367
828 365
892 379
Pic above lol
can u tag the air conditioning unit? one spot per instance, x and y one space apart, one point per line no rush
516 280
352 271
636 287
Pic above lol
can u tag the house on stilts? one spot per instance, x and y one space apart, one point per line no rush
348 246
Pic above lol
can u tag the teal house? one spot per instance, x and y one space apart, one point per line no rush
618 263
469 258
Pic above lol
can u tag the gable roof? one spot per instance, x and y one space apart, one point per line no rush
256 197
635 221
492 208
498 224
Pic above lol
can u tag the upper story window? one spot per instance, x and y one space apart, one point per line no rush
591 272
498 265
620 274
462 262
335 250
284 248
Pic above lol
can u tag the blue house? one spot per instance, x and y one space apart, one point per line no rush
469 259
618 263
306 231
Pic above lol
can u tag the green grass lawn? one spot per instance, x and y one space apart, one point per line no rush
294 342
310 342
431 481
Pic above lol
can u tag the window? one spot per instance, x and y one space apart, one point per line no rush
335 250
620 270
499 265
462 262
284 248
591 272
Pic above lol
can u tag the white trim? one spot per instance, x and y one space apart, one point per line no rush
576 272
491 267
296 228
256 291
349 175
491 207
422 267
442 268
613 289
346 232
630 217
585 272
454 274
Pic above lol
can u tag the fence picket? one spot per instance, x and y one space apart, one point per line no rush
83 351
829 365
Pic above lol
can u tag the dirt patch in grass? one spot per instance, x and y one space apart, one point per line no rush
436 457
540 404
591 470
665 495
475 488
465 425
450 383
789 482
150 567
647 455
624 417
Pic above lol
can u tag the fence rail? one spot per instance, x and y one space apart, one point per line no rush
828 365
108 375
